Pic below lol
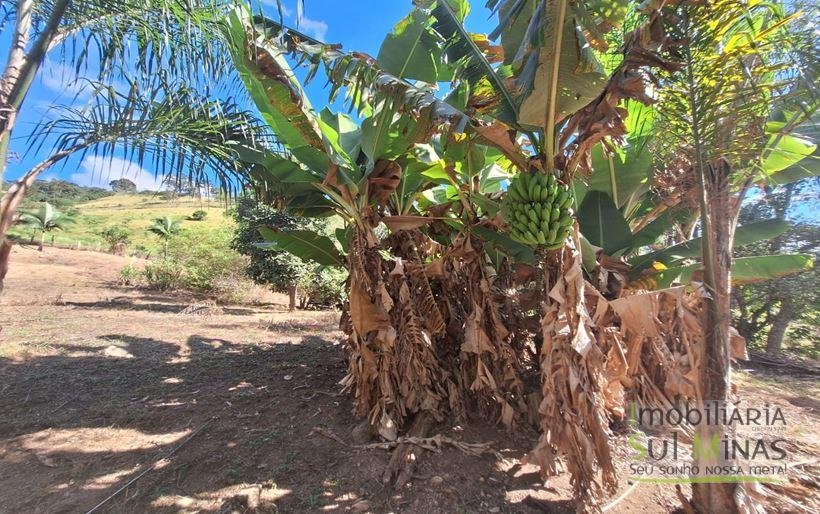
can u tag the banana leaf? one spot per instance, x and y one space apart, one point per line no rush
691 249
745 270
305 244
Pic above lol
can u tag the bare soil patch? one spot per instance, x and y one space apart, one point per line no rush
99 383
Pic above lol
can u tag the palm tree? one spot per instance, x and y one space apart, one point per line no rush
171 128
165 228
131 37
46 219
739 99
145 34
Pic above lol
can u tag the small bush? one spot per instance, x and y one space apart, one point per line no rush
164 275
117 238
198 215
204 256
130 275
238 288
323 288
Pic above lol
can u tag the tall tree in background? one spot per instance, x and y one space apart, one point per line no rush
280 270
123 185
777 303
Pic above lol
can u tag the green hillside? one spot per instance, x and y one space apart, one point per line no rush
135 212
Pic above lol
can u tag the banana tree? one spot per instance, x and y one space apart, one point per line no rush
46 219
423 182
165 228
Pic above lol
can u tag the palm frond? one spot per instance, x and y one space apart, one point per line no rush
170 129
180 36
366 83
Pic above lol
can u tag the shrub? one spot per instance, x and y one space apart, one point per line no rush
117 238
322 288
204 256
163 275
238 288
281 270
130 275
198 215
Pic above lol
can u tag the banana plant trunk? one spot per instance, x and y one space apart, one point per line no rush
717 225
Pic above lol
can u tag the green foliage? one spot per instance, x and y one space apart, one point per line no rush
165 227
198 215
323 288
130 275
123 185
163 275
46 218
204 257
792 300
278 268
61 194
117 237
602 223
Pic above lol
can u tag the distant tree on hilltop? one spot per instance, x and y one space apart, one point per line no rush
123 185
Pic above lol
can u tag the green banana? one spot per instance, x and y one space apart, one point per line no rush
538 210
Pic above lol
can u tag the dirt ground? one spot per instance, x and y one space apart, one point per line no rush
216 409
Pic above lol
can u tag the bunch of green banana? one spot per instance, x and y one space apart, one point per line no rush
538 210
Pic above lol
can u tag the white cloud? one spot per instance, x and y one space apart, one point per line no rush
311 27
62 79
99 171
315 28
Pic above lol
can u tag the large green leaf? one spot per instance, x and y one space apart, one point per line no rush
305 244
411 50
603 224
341 133
628 171
271 84
806 168
785 151
747 234
580 74
745 270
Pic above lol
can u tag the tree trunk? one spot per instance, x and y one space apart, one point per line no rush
22 64
715 369
42 241
11 75
14 196
5 252
291 298
774 342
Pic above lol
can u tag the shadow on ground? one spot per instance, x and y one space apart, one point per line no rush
236 420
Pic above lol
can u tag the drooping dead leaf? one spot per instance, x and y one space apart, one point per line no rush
399 223
384 179
365 315
502 137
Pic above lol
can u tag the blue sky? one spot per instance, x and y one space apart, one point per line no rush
358 25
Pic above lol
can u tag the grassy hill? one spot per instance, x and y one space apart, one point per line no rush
135 212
